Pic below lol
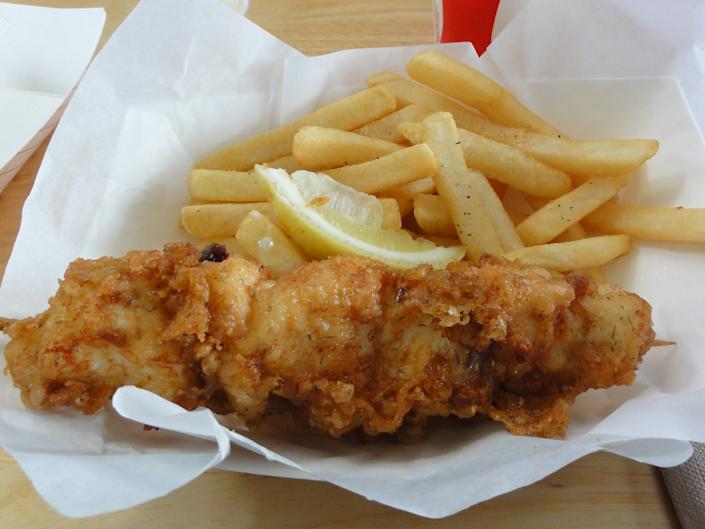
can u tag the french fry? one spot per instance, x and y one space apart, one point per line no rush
218 220
382 77
413 132
503 225
514 147
347 114
225 186
457 186
319 148
288 163
404 194
410 190
475 89
392 170
574 233
580 159
404 204
513 167
198 202
195 202
410 93
391 214
588 158
504 163
650 222
386 128
432 217
574 255
561 213
264 242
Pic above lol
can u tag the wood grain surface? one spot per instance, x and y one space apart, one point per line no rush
598 491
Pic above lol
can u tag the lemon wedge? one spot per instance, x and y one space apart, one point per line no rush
328 218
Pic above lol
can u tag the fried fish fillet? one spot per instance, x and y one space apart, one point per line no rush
349 342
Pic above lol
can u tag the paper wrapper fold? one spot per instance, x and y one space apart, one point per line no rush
162 94
38 73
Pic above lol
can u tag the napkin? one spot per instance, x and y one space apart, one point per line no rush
686 484
43 52
179 79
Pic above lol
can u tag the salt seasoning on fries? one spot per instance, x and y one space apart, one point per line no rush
561 213
457 186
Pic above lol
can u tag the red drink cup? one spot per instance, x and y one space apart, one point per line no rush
465 21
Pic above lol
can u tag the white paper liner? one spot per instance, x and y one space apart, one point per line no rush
159 96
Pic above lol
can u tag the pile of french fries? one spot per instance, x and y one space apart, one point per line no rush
441 151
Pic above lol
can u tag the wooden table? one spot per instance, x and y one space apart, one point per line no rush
599 491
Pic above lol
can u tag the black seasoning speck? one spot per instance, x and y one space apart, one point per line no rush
214 252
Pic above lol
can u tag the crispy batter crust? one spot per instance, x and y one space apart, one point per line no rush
348 341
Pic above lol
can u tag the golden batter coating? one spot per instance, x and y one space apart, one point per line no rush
349 342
